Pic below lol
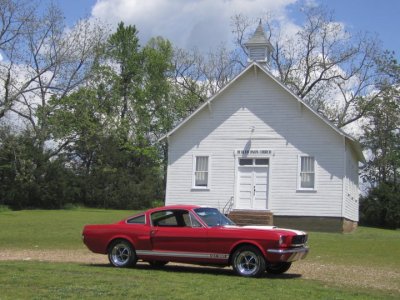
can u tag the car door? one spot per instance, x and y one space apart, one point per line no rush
177 233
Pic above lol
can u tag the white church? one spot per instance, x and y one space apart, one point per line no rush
259 153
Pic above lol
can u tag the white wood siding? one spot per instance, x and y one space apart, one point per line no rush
280 124
351 187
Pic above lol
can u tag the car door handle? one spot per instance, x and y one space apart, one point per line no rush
153 232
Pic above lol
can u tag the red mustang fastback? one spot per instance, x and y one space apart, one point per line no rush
200 235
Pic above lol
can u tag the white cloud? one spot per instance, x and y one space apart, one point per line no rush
187 23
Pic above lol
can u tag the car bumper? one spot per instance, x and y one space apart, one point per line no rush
287 255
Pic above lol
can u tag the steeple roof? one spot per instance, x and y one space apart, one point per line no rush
259 48
258 37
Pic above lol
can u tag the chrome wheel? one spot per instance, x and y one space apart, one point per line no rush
248 262
121 254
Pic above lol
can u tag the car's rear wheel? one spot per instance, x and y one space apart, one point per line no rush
121 254
278 268
248 261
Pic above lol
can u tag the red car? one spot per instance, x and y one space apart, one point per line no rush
194 234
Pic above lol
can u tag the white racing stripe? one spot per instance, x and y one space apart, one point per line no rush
297 232
183 254
260 227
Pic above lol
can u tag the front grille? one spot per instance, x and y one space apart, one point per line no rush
299 240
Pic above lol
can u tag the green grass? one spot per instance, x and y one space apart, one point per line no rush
39 280
51 230
367 246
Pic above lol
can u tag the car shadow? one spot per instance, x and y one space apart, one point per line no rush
197 269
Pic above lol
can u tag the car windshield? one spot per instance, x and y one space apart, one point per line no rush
212 217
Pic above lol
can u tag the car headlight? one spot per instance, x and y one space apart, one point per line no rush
282 241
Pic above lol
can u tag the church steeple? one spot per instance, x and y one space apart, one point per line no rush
259 48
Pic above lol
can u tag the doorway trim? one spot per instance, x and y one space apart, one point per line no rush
252 154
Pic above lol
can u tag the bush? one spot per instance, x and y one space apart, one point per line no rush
114 176
157 203
381 207
4 208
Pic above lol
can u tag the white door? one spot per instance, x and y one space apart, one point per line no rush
246 187
260 177
252 187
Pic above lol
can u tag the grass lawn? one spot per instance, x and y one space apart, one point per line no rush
51 229
40 280
367 246
376 250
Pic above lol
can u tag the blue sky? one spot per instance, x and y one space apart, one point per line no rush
206 21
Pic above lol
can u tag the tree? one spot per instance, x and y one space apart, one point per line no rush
381 141
45 61
381 207
381 131
16 18
332 70
200 75
123 50
28 179
113 122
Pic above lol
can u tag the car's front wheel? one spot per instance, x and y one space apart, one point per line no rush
248 261
121 254
278 268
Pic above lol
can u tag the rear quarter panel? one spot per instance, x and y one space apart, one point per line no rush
98 237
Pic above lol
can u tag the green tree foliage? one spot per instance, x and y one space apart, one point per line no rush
95 145
28 179
381 207
381 139
111 125
111 171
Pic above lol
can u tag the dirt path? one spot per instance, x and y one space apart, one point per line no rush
77 256
353 276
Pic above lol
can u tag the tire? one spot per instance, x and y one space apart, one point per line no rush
121 254
248 261
278 268
157 263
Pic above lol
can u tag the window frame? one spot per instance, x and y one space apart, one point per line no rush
194 164
254 162
162 215
177 218
299 172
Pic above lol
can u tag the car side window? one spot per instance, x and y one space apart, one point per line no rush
165 218
137 220
174 218
190 220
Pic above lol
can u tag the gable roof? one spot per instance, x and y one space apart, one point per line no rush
353 142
